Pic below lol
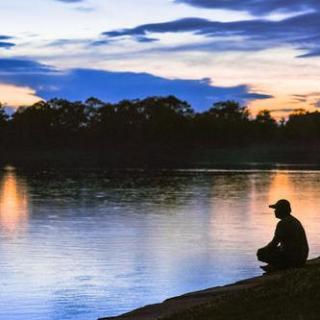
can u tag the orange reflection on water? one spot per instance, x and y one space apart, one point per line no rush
240 213
299 188
14 202
281 188
302 190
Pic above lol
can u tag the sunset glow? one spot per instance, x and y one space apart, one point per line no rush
273 56
17 96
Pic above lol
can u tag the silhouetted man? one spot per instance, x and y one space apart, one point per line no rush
289 246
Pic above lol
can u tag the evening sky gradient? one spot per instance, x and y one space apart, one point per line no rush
265 54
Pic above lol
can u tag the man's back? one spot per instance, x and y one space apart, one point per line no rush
292 237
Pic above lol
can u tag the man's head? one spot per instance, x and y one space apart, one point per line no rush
282 208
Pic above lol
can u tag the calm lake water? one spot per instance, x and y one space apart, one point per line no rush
86 244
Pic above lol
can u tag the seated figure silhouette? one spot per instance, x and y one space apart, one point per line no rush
289 246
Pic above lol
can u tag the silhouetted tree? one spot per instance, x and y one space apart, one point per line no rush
31 125
3 124
227 122
3 116
303 126
147 126
229 111
265 126
166 119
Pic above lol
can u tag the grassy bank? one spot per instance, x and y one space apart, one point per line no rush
293 295
285 295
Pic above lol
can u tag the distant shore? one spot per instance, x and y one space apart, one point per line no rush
286 295
251 156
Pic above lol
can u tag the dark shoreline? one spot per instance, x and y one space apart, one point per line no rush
159 157
218 302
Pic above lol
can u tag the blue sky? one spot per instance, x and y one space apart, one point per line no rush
265 54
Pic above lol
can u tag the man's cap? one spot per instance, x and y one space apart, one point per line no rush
281 204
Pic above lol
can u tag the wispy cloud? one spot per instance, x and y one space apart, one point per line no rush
301 32
70 1
2 37
9 67
4 43
284 110
85 9
260 7
81 8
312 98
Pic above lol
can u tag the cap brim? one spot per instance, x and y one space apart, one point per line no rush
272 206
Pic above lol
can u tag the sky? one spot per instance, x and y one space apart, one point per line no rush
264 54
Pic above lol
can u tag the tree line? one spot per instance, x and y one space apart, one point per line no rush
152 122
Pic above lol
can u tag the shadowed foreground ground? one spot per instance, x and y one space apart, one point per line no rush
293 294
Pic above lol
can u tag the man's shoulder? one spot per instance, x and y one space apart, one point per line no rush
289 219
290 223
282 222
294 220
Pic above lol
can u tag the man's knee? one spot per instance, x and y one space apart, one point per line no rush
262 255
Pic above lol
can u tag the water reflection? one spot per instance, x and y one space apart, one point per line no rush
13 201
302 189
101 243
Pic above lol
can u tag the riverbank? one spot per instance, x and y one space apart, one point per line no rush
292 294
257 156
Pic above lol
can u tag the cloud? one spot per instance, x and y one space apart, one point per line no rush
310 54
2 37
301 32
312 98
69 42
85 9
284 110
317 104
4 43
80 8
256 7
307 95
98 43
181 25
79 84
21 66
70 1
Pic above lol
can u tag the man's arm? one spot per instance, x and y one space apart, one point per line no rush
277 237
274 242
